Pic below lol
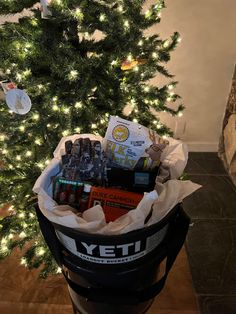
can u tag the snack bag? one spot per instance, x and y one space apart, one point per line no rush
126 143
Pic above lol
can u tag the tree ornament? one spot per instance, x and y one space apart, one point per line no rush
18 101
130 64
45 12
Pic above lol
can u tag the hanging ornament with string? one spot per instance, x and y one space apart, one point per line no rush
18 101
45 12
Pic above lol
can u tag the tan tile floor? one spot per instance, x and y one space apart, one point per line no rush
21 292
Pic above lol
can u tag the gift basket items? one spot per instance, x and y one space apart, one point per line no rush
113 173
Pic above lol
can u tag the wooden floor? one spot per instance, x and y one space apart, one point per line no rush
21 292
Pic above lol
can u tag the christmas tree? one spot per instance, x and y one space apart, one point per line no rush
79 61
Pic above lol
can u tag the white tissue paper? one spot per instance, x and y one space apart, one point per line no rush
161 200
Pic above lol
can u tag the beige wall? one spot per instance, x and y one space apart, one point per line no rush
203 64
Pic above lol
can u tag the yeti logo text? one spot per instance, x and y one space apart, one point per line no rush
109 250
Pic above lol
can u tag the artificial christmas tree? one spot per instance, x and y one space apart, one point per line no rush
79 62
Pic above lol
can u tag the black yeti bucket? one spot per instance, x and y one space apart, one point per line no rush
116 274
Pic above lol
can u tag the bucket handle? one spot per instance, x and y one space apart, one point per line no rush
114 295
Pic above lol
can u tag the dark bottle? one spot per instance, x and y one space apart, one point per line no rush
56 195
83 205
63 196
72 196
76 147
68 147
86 150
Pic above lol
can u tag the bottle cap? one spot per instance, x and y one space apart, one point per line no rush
87 188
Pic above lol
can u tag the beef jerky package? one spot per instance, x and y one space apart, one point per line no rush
126 143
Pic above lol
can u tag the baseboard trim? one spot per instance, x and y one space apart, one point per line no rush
203 146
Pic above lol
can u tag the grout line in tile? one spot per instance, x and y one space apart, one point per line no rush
213 218
216 295
208 174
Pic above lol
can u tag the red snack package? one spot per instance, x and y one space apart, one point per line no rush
115 202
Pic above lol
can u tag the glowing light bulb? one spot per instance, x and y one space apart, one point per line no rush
86 35
66 133
146 88
38 141
34 22
28 45
18 77
23 261
148 13
35 116
2 137
166 43
94 126
130 57
58 2
18 157
26 73
180 114
59 270
179 40
22 234
126 24
77 130
168 99
11 208
154 55
102 121
79 14
5 151
10 236
66 110
40 86
22 128
170 87
102 17
140 43
55 99
8 71
21 215
114 62
40 165
73 75
4 248
28 153
55 108
40 251
49 125
31 215
120 8
4 241
78 104
136 68
135 120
